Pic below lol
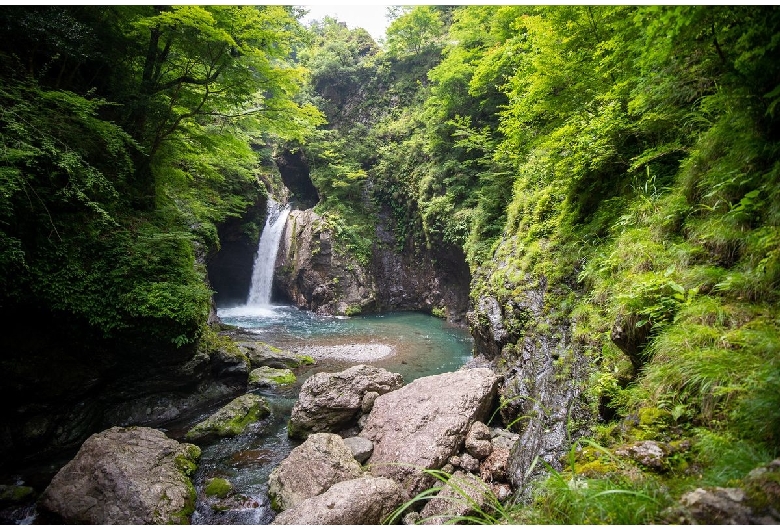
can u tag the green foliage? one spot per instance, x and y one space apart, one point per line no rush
129 133
414 30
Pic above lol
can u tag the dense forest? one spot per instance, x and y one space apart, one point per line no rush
610 173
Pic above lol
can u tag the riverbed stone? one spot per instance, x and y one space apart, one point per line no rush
463 495
263 354
361 501
331 402
310 469
125 475
368 401
478 442
267 377
232 419
424 423
361 447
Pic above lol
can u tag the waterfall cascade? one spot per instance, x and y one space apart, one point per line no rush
263 268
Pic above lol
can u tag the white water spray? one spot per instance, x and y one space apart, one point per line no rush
263 269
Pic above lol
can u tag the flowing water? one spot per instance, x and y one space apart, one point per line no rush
421 345
263 269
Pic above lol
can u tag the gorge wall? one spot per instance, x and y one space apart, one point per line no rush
315 273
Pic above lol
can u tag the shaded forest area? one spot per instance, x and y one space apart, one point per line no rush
623 161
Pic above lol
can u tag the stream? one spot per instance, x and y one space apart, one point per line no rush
421 344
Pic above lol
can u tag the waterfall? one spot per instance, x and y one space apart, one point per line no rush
263 269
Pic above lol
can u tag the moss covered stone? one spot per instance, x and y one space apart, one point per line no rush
218 487
232 419
14 494
271 377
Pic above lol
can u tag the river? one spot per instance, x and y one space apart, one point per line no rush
421 345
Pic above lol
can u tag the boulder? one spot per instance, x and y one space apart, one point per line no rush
310 469
493 468
425 423
463 495
266 377
232 419
125 475
361 448
756 502
368 401
361 501
647 452
227 360
262 354
478 442
330 402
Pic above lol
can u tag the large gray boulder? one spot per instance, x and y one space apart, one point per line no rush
330 402
425 423
125 475
310 469
361 501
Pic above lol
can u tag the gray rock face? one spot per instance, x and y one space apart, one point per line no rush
315 275
546 371
425 423
133 475
316 271
231 419
330 402
310 469
361 448
451 502
361 501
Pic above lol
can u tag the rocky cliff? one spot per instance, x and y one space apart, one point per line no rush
314 272
521 326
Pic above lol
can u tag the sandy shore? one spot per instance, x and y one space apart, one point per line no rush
348 352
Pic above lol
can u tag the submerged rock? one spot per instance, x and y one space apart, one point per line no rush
218 487
360 501
310 469
232 419
330 402
15 494
133 475
424 423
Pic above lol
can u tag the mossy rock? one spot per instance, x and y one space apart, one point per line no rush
218 487
649 423
762 487
596 468
271 377
15 494
232 419
592 462
188 462
262 354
